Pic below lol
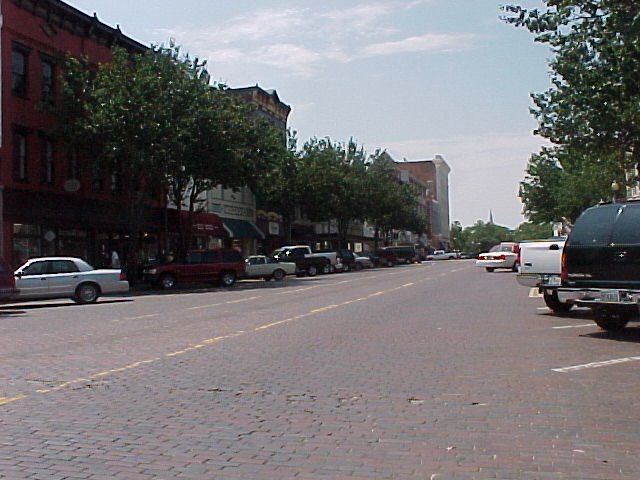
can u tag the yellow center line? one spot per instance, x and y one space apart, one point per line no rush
201 344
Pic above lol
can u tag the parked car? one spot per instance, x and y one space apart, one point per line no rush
503 255
540 260
8 289
382 258
67 277
306 262
197 266
442 255
362 262
353 261
261 266
600 266
404 253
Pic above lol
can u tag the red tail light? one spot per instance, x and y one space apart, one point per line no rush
123 277
563 267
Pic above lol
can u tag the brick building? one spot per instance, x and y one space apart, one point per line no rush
48 203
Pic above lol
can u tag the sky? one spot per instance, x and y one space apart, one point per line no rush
416 78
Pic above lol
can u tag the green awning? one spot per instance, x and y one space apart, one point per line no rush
242 229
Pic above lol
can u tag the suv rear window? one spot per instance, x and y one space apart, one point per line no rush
593 227
627 227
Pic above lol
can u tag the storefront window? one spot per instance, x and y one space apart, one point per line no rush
26 243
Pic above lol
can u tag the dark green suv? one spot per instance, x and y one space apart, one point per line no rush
601 265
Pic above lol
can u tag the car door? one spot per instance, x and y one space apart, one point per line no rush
63 278
211 264
257 266
32 281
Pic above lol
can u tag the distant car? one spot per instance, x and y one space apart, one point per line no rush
405 253
261 266
382 258
442 255
8 289
503 255
67 277
362 261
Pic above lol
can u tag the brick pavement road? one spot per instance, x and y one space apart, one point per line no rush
435 371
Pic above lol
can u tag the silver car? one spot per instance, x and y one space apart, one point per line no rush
67 277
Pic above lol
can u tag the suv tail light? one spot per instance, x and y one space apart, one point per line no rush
563 267
123 277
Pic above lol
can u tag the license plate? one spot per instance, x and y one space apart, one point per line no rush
610 296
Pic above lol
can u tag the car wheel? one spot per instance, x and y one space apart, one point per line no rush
312 271
228 279
611 319
553 302
389 263
357 266
278 275
167 281
346 267
408 261
87 293
489 269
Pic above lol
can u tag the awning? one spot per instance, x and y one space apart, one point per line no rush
242 229
202 223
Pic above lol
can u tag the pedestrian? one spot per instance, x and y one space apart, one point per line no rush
115 259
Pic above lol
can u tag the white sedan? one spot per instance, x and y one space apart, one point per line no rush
504 255
67 277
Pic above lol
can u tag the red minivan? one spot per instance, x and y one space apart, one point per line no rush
198 266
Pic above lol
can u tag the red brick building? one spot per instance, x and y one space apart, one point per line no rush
49 204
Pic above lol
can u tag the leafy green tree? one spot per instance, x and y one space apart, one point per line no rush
119 114
531 231
282 188
482 236
590 113
389 204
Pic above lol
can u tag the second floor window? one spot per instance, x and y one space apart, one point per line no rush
20 156
47 93
19 72
47 161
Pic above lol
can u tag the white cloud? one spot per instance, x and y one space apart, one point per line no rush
429 42
263 24
303 41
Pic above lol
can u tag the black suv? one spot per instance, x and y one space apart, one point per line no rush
601 265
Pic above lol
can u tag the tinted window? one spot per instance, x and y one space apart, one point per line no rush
231 256
62 266
593 227
627 228
37 268
211 256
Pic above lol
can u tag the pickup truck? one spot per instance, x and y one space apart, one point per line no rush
261 266
306 261
442 255
540 264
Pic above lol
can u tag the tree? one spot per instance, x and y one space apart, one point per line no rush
591 112
121 114
281 189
